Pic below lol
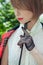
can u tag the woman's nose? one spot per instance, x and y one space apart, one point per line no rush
17 13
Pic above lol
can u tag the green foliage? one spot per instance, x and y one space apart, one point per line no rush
7 18
2 1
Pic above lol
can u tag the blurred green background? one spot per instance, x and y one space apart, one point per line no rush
7 17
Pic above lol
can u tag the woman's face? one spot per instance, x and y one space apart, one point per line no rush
23 16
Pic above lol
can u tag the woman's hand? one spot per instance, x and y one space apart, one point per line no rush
27 40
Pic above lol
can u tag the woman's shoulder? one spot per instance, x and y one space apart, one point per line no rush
16 33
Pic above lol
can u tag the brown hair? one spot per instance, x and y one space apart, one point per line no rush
36 6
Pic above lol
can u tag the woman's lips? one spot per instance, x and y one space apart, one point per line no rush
20 18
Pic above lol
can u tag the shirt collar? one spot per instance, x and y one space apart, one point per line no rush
37 25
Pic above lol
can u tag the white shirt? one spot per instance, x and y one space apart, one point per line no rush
14 50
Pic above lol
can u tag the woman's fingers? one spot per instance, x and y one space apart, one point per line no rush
22 36
21 42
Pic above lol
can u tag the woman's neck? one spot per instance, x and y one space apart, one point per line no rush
31 24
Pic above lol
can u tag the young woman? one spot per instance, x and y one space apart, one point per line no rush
30 11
